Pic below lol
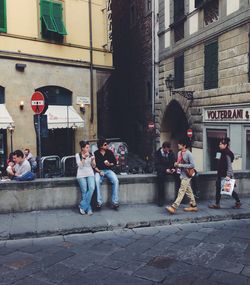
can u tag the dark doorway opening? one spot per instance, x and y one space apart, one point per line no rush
59 142
174 123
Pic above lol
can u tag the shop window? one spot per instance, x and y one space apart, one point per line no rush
2 97
179 71
213 139
211 11
211 66
52 24
3 25
248 150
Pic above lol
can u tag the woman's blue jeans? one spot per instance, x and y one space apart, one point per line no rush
115 185
87 187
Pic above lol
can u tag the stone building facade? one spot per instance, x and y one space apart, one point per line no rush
133 76
205 45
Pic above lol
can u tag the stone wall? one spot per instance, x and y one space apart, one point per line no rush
42 194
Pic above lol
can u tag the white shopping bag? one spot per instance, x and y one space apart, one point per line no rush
227 186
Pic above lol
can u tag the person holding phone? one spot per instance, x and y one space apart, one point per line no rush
164 165
85 161
105 160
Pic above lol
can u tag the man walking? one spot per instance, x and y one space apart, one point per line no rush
105 159
164 165
185 160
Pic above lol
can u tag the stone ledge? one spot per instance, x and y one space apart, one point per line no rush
54 193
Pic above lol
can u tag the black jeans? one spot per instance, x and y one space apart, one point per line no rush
218 195
161 178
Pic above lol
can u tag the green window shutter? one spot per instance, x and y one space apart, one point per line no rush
211 66
46 17
58 19
3 26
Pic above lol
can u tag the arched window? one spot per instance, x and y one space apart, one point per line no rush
57 95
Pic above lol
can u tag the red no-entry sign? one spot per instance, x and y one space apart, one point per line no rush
189 133
38 103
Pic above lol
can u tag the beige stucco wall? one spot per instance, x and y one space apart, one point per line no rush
23 85
23 31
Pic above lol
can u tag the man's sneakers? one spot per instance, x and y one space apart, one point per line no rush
214 206
191 208
115 206
237 205
170 209
82 212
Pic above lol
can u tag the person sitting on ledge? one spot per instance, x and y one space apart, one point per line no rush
22 169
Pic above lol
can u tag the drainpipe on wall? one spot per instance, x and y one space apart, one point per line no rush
91 64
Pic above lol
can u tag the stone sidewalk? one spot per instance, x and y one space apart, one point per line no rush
68 221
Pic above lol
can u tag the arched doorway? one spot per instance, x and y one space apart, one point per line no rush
174 123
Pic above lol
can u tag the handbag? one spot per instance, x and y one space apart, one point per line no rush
227 186
190 172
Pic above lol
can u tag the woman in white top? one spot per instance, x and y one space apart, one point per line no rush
85 177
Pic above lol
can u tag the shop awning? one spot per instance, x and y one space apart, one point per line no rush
5 117
63 117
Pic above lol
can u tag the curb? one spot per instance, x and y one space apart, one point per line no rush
129 225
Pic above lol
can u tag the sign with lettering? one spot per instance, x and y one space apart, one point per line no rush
227 114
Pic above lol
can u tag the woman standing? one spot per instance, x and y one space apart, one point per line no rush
225 170
85 177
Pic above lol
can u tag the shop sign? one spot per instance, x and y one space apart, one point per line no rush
82 100
234 114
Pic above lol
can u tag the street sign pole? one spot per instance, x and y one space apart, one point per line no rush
39 105
39 145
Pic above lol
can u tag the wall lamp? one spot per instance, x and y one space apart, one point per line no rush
20 67
21 105
82 108
169 81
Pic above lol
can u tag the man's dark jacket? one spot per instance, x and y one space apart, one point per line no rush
162 163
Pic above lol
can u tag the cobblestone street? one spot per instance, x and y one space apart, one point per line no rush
206 253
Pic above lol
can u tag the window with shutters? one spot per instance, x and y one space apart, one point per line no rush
211 11
249 57
179 19
3 26
198 3
179 71
211 66
52 25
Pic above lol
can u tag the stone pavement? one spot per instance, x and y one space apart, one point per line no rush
69 221
213 253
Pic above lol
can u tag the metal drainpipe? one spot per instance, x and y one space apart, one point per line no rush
91 64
